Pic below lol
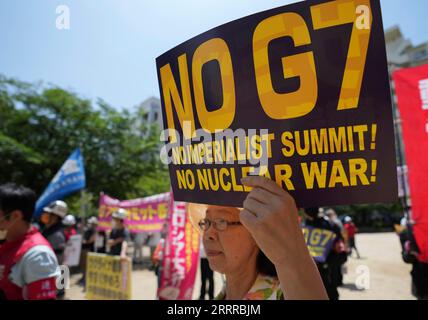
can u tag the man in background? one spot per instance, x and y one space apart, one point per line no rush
28 265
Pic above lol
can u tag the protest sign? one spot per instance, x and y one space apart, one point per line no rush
72 251
144 214
319 242
180 256
107 277
299 94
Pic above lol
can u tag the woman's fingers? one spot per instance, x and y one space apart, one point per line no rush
255 206
261 195
248 219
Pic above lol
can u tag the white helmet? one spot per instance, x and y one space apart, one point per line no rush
69 220
58 208
93 220
120 214
347 219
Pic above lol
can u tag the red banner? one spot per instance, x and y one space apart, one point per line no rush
411 86
180 256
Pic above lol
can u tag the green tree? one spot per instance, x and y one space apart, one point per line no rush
41 125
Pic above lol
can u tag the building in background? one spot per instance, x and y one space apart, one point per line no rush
400 51
151 110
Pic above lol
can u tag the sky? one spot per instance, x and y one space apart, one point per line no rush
111 46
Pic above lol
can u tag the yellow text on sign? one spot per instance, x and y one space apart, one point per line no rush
292 105
318 237
107 277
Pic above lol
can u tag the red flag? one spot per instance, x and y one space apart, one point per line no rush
411 86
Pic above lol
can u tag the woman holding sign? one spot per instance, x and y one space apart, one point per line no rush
260 248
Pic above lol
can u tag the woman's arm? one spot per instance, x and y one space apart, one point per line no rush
123 250
270 214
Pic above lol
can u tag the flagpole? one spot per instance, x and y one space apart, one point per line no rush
82 205
82 199
398 137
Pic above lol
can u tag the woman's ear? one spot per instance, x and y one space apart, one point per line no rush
16 215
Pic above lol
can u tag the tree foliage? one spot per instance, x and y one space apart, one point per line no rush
41 125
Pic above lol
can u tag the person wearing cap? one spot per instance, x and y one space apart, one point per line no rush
69 223
259 248
94 240
119 236
53 230
28 265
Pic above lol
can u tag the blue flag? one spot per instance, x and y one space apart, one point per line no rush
69 178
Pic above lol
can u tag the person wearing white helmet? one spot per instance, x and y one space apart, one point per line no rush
119 236
94 240
69 223
69 220
53 230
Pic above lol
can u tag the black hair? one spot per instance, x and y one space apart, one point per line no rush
265 266
15 197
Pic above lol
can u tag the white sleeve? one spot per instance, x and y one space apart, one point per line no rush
38 263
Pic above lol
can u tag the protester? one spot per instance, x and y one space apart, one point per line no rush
334 220
351 230
157 260
410 254
337 226
138 239
119 236
53 229
151 240
93 241
260 248
157 256
335 258
207 276
69 223
28 265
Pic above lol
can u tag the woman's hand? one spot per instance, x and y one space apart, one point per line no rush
271 216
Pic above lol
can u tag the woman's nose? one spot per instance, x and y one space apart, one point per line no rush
211 233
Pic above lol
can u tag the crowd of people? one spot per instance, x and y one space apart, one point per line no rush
31 251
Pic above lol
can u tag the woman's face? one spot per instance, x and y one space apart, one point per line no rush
231 250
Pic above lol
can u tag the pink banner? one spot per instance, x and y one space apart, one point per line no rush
181 256
144 214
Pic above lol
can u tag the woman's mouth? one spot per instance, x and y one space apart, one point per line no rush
213 253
